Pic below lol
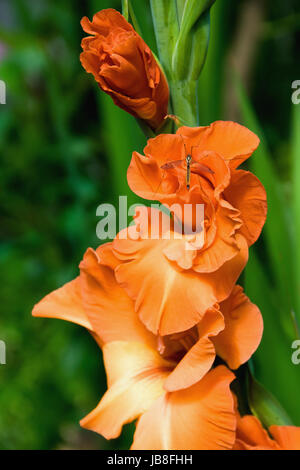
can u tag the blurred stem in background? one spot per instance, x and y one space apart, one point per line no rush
211 83
295 176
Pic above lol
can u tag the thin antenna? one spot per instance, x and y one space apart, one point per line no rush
185 150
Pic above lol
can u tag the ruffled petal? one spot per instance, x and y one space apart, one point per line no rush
235 143
243 329
198 418
287 437
168 299
247 194
145 176
200 357
224 246
250 435
104 21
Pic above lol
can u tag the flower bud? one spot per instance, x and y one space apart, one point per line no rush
124 67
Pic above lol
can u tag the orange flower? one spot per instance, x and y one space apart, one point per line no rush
252 436
164 380
124 67
235 200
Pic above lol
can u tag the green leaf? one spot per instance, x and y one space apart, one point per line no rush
277 231
272 362
265 406
134 20
295 154
180 8
166 29
192 43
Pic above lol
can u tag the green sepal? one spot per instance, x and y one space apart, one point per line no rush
265 406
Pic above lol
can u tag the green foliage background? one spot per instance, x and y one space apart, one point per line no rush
65 149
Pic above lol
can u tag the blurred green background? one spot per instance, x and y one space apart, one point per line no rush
65 149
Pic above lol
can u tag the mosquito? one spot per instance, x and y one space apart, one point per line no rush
190 165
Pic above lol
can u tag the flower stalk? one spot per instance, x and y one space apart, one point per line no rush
182 33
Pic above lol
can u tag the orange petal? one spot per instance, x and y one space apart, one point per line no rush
199 359
167 299
198 418
224 278
145 176
288 437
243 329
247 194
106 256
182 251
235 143
136 374
104 21
220 171
251 435
143 108
90 63
108 307
224 246
64 303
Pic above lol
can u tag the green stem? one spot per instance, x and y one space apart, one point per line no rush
183 92
165 21
295 141
125 10
180 8
184 101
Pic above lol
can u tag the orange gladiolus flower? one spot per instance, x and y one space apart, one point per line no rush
252 436
124 67
163 380
235 200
